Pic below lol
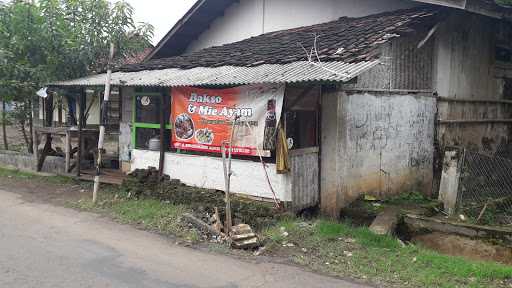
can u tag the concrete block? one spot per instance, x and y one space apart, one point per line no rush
386 222
450 176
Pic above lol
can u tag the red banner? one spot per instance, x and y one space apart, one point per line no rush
203 118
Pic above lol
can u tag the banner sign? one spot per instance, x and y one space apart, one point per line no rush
202 118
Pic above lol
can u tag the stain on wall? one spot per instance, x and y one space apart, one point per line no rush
387 144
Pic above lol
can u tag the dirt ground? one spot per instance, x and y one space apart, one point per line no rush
462 246
41 191
14 139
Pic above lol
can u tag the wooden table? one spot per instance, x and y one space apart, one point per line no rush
68 133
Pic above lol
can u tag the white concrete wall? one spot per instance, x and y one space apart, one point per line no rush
388 144
202 171
372 144
249 18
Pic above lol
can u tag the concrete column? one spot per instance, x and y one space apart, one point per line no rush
449 187
330 166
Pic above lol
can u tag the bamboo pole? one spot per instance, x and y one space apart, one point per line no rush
104 115
227 176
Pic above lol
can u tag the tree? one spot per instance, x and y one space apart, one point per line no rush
504 2
61 39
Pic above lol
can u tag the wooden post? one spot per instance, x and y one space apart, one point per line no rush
81 116
4 124
67 150
48 110
227 223
35 137
104 117
59 111
162 133
227 176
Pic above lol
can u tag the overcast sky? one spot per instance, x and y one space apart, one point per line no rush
162 14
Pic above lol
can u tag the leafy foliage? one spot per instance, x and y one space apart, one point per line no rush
46 40
504 2
60 39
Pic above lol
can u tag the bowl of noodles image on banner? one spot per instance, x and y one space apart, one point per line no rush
184 127
204 136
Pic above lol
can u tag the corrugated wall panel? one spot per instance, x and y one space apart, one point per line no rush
304 171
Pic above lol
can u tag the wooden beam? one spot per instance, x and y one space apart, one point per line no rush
462 100
474 121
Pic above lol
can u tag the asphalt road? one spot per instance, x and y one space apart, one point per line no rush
45 246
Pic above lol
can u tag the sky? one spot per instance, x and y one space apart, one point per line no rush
162 14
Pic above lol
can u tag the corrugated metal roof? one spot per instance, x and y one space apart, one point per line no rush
229 75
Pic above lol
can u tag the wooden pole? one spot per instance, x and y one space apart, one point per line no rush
104 117
48 108
35 137
227 176
162 133
4 124
227 223
81 116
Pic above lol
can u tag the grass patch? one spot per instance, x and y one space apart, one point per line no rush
150 214
344 250
408 198
154 215
25 175
324 245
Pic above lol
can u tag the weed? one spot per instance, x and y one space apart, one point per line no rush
344 250
408 198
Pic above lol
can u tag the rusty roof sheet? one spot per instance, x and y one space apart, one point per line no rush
295 72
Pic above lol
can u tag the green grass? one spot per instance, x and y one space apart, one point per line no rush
24 175
343 250
149 214
408 198
324 245
155 215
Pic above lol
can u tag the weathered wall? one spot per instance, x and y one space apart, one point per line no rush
381 127
387 144
373 143
330 145
22 161
403 66
465 57
207 172
466 70
471 125
254 17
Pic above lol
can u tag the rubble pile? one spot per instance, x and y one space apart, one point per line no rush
146 183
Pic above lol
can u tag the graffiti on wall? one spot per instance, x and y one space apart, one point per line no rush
389 136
